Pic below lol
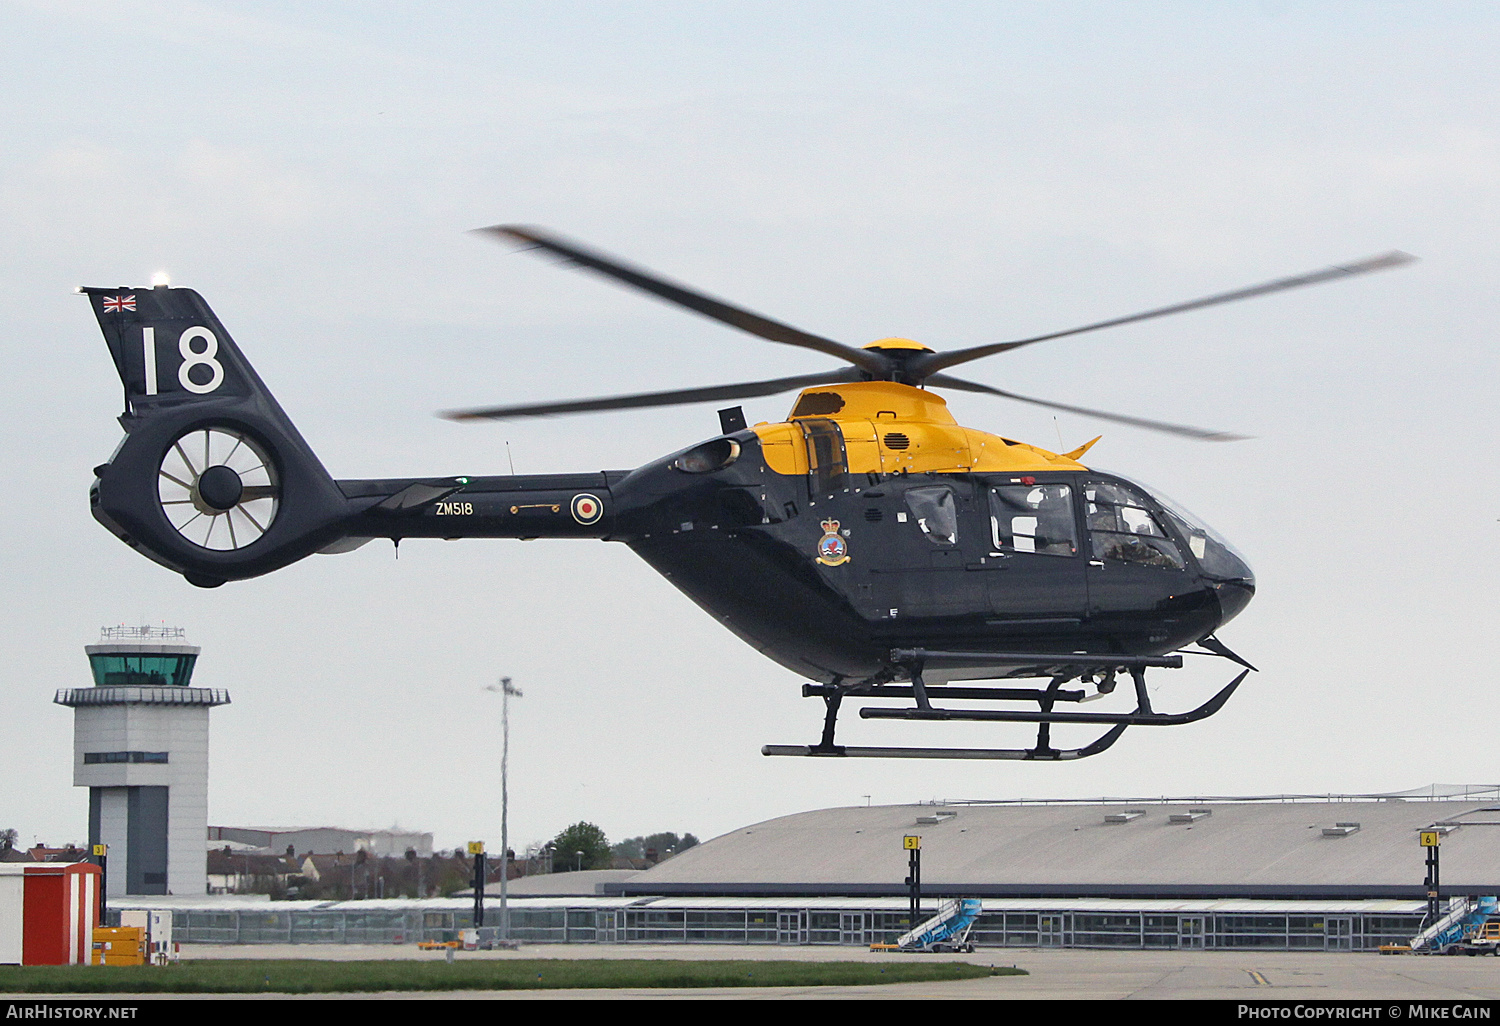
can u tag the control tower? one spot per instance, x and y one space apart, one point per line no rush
140 745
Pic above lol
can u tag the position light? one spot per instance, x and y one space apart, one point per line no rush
159 280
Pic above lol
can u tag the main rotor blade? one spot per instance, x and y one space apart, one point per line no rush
1203 434
929 363
708 306
679 397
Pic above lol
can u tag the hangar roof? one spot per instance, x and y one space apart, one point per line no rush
1199 849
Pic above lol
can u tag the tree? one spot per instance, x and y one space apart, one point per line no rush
663 844
585 838
630 848
8 838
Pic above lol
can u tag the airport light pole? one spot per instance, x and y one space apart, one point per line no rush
506 689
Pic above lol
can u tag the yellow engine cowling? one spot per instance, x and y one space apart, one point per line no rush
891 428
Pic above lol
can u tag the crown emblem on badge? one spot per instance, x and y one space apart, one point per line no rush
832 549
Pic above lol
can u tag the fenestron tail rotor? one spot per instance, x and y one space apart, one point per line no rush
907 364
218 488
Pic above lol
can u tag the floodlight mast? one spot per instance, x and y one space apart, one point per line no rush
506 689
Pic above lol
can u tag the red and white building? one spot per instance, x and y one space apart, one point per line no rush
48 911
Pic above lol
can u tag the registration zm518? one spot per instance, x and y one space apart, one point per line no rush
455 509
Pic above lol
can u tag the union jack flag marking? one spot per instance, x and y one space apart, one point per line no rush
114 304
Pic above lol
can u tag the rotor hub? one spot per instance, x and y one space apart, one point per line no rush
219 489
889 344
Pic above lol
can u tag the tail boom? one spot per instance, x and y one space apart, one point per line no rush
529 506
214 481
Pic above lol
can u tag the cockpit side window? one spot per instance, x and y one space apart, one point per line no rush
1122 528
1033 518
935 512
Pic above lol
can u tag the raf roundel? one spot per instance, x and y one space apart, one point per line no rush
587 509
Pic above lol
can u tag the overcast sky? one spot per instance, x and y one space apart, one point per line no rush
954 172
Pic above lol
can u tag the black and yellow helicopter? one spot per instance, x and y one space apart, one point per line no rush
869 542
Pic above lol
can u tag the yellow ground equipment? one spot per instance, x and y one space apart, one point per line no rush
119 945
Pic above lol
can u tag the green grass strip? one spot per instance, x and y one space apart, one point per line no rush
306 976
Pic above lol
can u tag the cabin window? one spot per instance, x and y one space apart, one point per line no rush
827 462
935 512
1124 530
1033 518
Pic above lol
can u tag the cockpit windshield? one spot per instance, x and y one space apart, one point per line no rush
1123 529
1215 556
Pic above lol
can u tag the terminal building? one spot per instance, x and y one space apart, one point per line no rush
1340 873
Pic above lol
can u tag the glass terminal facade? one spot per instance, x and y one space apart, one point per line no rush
1007 923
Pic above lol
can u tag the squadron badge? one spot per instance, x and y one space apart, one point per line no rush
832 549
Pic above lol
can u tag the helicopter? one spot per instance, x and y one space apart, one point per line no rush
868 542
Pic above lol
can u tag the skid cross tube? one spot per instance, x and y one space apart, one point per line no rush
1064 667
1143 716
830 720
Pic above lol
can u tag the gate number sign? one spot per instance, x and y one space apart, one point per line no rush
910 843
1429 838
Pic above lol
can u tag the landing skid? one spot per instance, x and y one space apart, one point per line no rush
1099 670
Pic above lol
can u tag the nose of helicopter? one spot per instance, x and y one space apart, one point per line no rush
1234 596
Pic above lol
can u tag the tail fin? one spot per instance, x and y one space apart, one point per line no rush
212 479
